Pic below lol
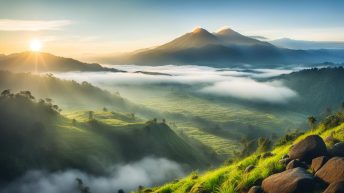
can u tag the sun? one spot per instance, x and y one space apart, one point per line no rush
35 45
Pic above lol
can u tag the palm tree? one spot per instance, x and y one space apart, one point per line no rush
311 121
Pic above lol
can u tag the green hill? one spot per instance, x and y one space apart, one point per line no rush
232 178
319 89
34 135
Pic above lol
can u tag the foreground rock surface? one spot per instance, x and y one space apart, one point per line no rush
318 162
332 171
311 147
336 187
296 180
338 149
256 189
295 164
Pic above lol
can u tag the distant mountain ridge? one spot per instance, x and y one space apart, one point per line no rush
306 45
225 48
45 62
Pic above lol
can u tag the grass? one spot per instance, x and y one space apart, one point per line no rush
233 118
232 178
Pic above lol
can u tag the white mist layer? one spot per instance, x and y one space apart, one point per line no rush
146 172
213 81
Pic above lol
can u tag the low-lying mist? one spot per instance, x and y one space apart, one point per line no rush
147 172
236 83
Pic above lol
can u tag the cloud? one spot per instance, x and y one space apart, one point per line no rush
259 37
146 172
248 89
32 25
201 79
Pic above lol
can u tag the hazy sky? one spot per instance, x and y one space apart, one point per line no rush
86 28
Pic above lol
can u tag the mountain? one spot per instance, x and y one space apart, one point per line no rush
307 45
199 37
230 37
225 48
45 62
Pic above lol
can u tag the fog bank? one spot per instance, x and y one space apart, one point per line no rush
146 172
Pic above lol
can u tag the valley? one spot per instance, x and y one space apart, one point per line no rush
171 96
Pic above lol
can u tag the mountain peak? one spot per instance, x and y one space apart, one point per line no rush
199 30
226 31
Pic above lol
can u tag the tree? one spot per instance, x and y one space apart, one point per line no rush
81 187
164 121
105 109
342 106
90 115
49 100
6 92
311 121
27 94
73 122
120 191
132 116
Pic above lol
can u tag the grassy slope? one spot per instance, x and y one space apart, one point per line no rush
231 178
197 117
44 139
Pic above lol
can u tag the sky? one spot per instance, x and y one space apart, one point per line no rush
88 28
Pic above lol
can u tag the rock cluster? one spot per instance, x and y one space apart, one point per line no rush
310 154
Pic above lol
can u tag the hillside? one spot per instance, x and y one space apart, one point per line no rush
68 94
45 62
225 48
319 89
34 135
241 175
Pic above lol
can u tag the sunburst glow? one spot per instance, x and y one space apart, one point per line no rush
35 45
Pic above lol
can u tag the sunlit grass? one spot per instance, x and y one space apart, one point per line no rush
233 179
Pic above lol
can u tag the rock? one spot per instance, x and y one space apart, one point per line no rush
249 168
307 149
338 150
331 140
332 171
295 164
336 187
318 162
285 161
255 189
296 180
267 154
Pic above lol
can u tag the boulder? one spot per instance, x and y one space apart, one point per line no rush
255 189
336 187
295 164
338 150
249 168
331 140
332 171
296 180
318 162
307 149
